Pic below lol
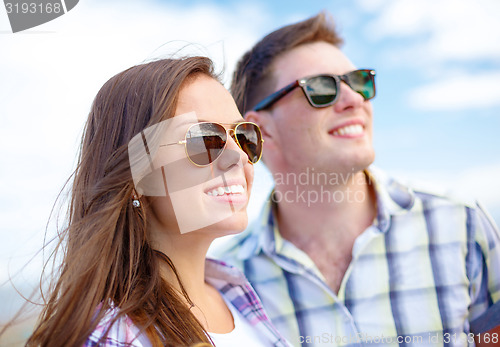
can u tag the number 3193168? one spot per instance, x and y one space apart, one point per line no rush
31 7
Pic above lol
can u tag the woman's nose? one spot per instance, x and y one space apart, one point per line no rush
233 154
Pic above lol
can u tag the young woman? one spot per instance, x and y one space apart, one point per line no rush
165 168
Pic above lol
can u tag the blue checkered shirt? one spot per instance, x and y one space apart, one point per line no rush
425 273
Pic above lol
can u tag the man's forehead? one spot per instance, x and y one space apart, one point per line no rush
309 59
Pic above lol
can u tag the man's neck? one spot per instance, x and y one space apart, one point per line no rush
306 211
324 221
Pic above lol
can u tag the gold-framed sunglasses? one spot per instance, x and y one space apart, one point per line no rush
204 142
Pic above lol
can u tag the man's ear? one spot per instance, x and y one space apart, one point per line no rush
266 124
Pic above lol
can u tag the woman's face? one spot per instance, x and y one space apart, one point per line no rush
184 197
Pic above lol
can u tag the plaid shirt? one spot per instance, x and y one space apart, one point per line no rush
426 273
231 284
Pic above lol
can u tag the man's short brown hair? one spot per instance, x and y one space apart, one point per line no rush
253 80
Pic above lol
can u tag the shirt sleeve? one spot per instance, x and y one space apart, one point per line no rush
483 261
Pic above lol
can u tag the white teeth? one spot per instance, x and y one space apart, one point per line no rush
349 130
237 188
234 189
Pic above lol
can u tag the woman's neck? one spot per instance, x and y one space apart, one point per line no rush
187 254
188 258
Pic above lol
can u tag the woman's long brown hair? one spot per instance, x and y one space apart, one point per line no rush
107 259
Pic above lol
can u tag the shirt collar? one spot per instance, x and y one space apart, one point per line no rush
219 273
393 198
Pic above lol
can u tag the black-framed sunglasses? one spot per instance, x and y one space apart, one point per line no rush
323 90
205 141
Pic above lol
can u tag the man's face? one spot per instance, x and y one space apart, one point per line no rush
319 138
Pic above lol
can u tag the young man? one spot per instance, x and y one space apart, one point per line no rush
342 254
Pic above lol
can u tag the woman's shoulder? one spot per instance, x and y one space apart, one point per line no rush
116 332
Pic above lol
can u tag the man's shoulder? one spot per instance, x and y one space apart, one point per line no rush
428 197
420 190
439 196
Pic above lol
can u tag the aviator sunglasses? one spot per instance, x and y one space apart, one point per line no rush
323 90
204 142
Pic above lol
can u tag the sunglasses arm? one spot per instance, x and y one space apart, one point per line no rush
182 142
271 99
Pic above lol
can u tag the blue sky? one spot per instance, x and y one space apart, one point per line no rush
437 111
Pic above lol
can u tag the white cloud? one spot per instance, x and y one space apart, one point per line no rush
480 182
399 18
437 37
458 93
371 5
439 30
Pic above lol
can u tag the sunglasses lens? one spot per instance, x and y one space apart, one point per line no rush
363 82
322 90
205 142
249 139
